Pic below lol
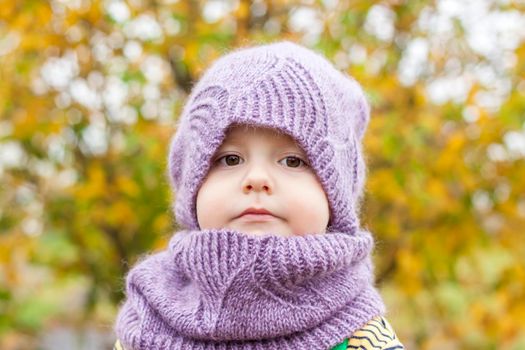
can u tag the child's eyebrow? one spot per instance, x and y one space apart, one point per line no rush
231 139
231 142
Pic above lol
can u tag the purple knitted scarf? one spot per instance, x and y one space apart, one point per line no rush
222 289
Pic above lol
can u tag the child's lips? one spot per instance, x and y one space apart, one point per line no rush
252 217
256 211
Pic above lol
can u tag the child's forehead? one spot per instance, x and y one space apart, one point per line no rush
241 133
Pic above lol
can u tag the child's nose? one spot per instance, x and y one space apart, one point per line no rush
257 186
257 180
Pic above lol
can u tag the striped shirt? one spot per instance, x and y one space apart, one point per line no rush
377 334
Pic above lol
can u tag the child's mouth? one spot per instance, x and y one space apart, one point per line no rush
257 217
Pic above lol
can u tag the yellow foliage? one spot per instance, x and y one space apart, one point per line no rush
127 186
94 187
409 271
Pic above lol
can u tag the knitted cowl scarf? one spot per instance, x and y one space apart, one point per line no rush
223 289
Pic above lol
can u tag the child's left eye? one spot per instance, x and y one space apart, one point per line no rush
293 162
229 160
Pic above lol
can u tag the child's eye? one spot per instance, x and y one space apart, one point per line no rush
293 161
229 160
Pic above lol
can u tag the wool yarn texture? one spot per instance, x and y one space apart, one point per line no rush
224 289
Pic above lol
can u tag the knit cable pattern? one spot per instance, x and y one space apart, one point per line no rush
222 289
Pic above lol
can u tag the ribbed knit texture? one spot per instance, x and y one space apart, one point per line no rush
222 289
283 86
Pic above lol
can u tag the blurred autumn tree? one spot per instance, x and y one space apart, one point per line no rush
90 92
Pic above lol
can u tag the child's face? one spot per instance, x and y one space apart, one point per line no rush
261 168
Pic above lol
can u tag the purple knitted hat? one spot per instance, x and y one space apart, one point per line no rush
283 86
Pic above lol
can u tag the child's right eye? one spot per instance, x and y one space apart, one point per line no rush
229 160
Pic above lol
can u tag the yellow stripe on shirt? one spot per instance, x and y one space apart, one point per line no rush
377 334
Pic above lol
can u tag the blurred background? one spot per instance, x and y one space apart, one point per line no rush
89 95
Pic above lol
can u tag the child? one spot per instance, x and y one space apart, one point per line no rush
268 172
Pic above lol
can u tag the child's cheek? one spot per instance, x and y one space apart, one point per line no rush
308 209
